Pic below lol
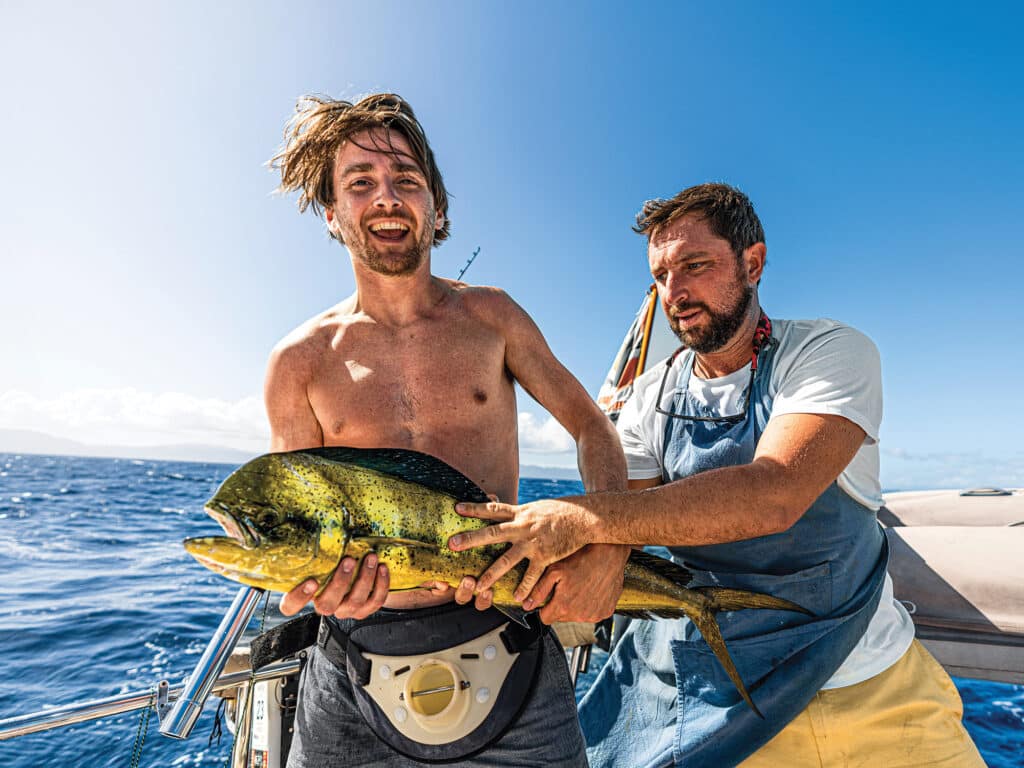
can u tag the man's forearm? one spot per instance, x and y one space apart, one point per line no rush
600 459
713 507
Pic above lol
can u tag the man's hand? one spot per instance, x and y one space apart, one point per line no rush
542 532
583 587
351 593
467 591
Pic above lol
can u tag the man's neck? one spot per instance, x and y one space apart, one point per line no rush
396 300
736 352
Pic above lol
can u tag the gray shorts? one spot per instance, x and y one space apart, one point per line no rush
330 732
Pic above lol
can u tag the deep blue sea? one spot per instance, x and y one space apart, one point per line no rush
98 598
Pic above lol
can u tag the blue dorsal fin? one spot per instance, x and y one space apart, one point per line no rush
404 464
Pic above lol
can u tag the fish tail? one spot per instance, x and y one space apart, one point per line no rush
725 599
708 626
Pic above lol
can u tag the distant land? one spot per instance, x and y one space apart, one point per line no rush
27 441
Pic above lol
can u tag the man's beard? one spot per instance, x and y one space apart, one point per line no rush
720 327
391 263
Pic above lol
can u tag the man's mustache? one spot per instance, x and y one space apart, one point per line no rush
678 309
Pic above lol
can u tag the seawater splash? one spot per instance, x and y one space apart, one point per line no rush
98 597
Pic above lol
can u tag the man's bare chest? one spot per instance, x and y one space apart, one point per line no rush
390 392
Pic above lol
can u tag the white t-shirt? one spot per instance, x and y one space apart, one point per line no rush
820 367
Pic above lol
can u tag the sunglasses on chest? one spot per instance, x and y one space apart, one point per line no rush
762 335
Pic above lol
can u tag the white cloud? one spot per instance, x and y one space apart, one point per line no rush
546 436
126 416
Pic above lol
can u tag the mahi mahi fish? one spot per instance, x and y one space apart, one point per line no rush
293 516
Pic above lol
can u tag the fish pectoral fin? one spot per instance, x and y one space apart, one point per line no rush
708 626
645 614
725 599
372 542
514 613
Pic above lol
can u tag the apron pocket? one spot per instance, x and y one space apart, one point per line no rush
810 588
698 669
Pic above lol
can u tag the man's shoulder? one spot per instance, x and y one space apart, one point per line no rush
481 298
310 339
803 333
489 305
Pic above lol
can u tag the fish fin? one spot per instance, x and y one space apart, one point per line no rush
412 466
514 612
665 568
708 626
371 542
725 599
651 613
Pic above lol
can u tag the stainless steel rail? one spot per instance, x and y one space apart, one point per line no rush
179 721
579 662
70 714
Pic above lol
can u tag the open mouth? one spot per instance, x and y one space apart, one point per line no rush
389 230
687 317
236 528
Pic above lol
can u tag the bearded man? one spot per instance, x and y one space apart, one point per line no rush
415 361
753 456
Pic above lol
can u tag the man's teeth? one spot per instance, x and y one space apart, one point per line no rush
395 225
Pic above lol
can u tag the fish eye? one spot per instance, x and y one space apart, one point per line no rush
266 519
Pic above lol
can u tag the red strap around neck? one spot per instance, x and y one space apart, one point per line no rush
762 333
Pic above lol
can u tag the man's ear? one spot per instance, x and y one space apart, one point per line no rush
753 261
439 221
332 222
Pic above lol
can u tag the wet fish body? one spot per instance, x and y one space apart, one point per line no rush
293 516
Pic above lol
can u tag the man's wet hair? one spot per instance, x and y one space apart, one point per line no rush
729 213
321 125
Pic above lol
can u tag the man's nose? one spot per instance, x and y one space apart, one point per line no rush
676 290
387 196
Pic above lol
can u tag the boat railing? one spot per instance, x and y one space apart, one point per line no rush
177 722
178 708
70 714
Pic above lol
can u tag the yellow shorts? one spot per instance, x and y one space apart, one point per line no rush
909 715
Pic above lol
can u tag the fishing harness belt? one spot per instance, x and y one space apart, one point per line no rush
435 684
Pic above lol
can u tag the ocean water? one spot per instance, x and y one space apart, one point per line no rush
98 598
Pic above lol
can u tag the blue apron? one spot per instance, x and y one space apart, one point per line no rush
663 697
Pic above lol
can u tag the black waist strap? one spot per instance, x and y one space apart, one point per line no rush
284 640
422 631
292 636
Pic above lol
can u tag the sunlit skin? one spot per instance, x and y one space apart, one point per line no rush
383 208
411 360
694 271
797 456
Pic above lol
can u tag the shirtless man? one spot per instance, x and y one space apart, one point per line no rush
415 361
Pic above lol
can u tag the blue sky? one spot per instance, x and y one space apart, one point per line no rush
147 269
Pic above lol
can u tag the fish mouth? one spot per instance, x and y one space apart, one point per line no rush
226 556
218 553
237 528
274 568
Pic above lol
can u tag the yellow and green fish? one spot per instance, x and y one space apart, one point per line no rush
293 516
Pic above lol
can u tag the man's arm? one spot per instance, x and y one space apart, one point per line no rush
293 426
599 455
587 585
797 457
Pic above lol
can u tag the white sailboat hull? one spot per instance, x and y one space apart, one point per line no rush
958 565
